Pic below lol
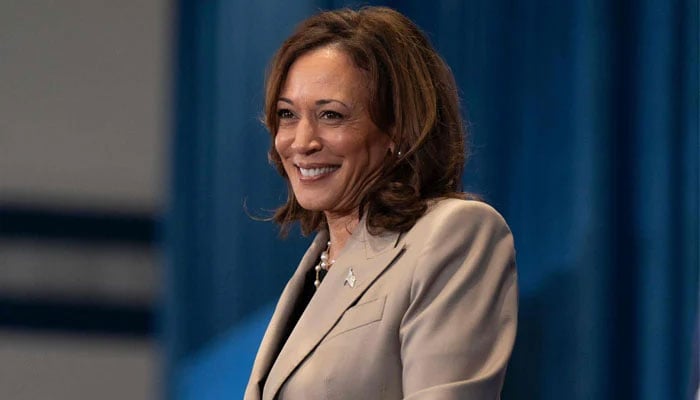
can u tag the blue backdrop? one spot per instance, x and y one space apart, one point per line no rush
584 123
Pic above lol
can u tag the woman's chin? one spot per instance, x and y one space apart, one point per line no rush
315 204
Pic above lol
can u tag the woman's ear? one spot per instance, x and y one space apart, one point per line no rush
392 144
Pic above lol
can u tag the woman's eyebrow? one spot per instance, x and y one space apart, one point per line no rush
326 101
318 102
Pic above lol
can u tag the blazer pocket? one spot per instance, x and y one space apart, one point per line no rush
359 315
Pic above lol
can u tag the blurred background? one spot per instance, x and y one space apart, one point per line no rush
131 148
85 94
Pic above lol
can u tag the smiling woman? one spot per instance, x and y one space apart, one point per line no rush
408 290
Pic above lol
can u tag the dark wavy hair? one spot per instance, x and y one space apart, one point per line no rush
413 99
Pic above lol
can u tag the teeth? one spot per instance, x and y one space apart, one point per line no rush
311 172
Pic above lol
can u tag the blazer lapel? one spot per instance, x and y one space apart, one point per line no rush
273 335
367 256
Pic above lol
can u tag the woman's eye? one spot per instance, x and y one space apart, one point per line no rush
331 115
284 114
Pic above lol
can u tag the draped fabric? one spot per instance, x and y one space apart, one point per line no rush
583 120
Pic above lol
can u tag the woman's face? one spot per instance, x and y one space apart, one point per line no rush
329 146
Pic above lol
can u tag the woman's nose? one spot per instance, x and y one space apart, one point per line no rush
306 139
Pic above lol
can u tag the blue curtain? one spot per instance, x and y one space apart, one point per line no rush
584 131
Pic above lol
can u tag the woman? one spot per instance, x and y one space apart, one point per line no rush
408 290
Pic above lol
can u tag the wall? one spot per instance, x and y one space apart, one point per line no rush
84 88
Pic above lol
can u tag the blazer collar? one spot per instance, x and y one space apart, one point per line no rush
367 256
285 306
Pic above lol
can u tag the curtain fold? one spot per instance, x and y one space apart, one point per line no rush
583 118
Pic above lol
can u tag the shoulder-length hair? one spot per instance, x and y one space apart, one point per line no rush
413 98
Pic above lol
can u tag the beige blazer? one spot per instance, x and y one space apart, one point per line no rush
428 314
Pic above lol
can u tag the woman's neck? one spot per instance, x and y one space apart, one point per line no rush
340 229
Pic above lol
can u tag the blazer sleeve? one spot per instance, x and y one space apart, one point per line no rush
459 329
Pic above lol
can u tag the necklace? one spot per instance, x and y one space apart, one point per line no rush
324 264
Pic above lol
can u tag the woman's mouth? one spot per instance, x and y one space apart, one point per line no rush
316 172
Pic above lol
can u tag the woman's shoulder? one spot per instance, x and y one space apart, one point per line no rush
461 212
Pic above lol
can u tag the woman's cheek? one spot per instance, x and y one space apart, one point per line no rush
281 142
